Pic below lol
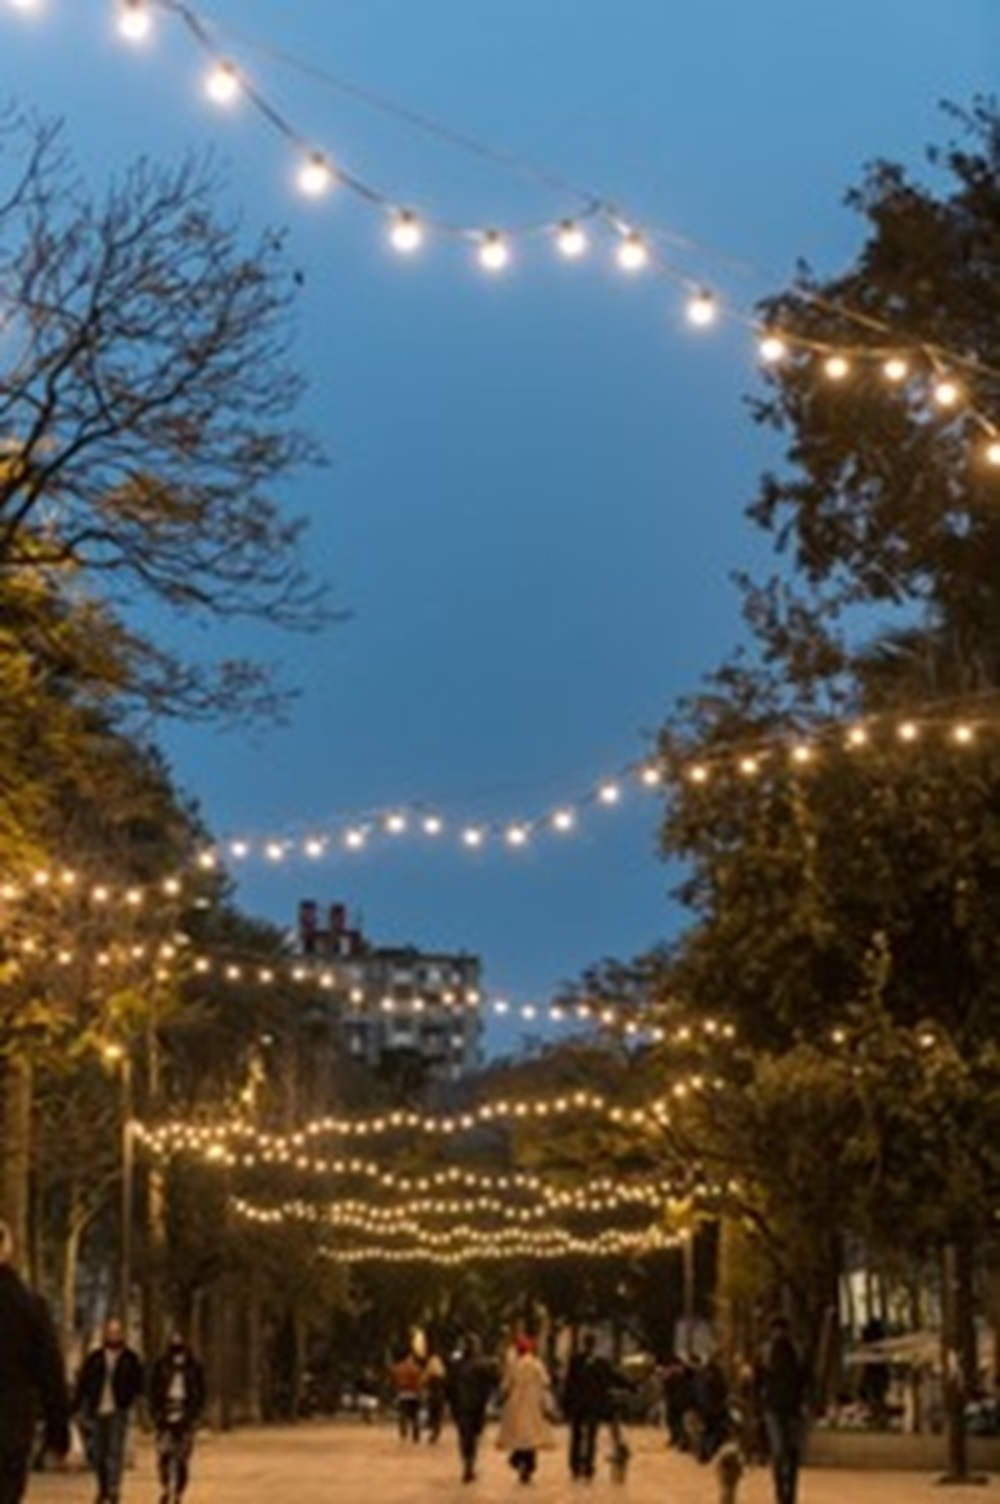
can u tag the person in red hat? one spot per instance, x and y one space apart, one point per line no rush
525 1429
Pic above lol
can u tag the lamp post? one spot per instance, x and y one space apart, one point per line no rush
118 1058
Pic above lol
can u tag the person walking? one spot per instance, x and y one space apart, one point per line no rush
783 1389
176 1400
31 1378
110 1382
527 1400
407 1379
587 1404
435 1380
470 1383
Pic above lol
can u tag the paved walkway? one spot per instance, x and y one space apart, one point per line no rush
353 1464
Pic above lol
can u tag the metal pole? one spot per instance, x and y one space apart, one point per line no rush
128 1192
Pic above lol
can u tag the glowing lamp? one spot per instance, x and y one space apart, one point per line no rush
315 176
947 394
837 368
571 241
896 370
702 310
407 233
633 253
494 252
772 349
223 84
134 20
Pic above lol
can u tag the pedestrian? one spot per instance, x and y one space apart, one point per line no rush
435 1380
176 1400
783 1390
712 1402
678 1399
471 1381
31 1378
407 1379
587 1404
110 1382
527 1402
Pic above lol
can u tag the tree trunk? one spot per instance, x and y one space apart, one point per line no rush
75 1224
959 1352
15 1169
255 1357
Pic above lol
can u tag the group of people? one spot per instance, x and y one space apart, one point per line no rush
765 1420
528 1402
110 1383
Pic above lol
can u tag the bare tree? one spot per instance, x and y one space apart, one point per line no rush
147 399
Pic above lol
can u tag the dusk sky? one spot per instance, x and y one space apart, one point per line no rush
538 479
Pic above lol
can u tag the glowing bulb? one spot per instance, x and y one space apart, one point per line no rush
223 84
702 310
239 849
134 21
633 253
315 848
396 825
993 453
472 837
494 252
433 825
896 369
315 175
609 793
699 773
517 835
908 732
837 368
407 233
563 820
571 240
964 735
772 349
651 777
947 394
857 737
354 840
274 851
749 766
802 753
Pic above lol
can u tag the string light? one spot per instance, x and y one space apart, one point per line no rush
315 175
494 252
837 367
773 350
702 310
135 21
572 240
223 85
633 252
947 394
993 453
407 232
896 369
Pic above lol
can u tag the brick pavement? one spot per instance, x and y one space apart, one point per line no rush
354 1464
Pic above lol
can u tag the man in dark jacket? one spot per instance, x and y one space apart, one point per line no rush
471 1381
176 1400
31 1378
586 1400
109 1384
783 1387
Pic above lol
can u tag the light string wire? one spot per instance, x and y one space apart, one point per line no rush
960 722
590 203
635 249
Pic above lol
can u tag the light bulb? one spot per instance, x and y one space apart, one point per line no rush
239 850
908 731
702 310
315 175
896 369
857 737
433 825
315 848
517 835
396 825
407 233
563 820
699 773
772 349
633 253
836 367
651 777
802 753
964 735
571 240
354 840
749 766
947 394
222 85
472 837
134 21
494 252
993 453
609 793
26 5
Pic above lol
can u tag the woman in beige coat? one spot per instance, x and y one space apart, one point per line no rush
527 1401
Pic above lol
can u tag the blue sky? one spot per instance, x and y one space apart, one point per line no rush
538 481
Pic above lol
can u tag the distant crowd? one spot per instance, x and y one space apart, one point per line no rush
763 1419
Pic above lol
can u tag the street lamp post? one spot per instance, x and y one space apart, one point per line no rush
118 1057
